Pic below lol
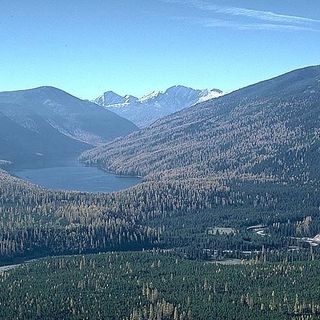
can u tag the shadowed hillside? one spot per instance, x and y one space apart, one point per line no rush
47 124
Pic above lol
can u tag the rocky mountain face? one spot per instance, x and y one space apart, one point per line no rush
46 123
267 131
149 108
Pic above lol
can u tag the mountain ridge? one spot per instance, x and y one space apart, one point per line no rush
269 130
149 108
47 122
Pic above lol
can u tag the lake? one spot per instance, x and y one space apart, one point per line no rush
76 177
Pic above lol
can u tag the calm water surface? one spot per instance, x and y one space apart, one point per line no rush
77 177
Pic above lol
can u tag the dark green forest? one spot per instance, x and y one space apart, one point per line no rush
155 285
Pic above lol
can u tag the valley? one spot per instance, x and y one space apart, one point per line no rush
229 189
200 168
160 160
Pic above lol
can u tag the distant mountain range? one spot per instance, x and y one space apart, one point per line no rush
157 104
267 131
47 124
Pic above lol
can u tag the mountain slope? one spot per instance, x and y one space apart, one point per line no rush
47 124
146 110
269 130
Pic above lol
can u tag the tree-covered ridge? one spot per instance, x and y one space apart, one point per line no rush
268 131
158 286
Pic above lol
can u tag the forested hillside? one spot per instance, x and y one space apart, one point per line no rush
268 131
37 222
150 286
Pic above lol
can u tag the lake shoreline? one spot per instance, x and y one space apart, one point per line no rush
75 176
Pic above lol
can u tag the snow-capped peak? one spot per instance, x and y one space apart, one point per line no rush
156 104
151 95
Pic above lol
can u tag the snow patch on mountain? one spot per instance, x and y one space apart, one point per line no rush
210 94
157 104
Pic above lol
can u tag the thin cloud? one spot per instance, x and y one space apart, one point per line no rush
268 16
219 23
265 20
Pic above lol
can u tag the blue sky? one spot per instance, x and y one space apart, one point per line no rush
135 46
